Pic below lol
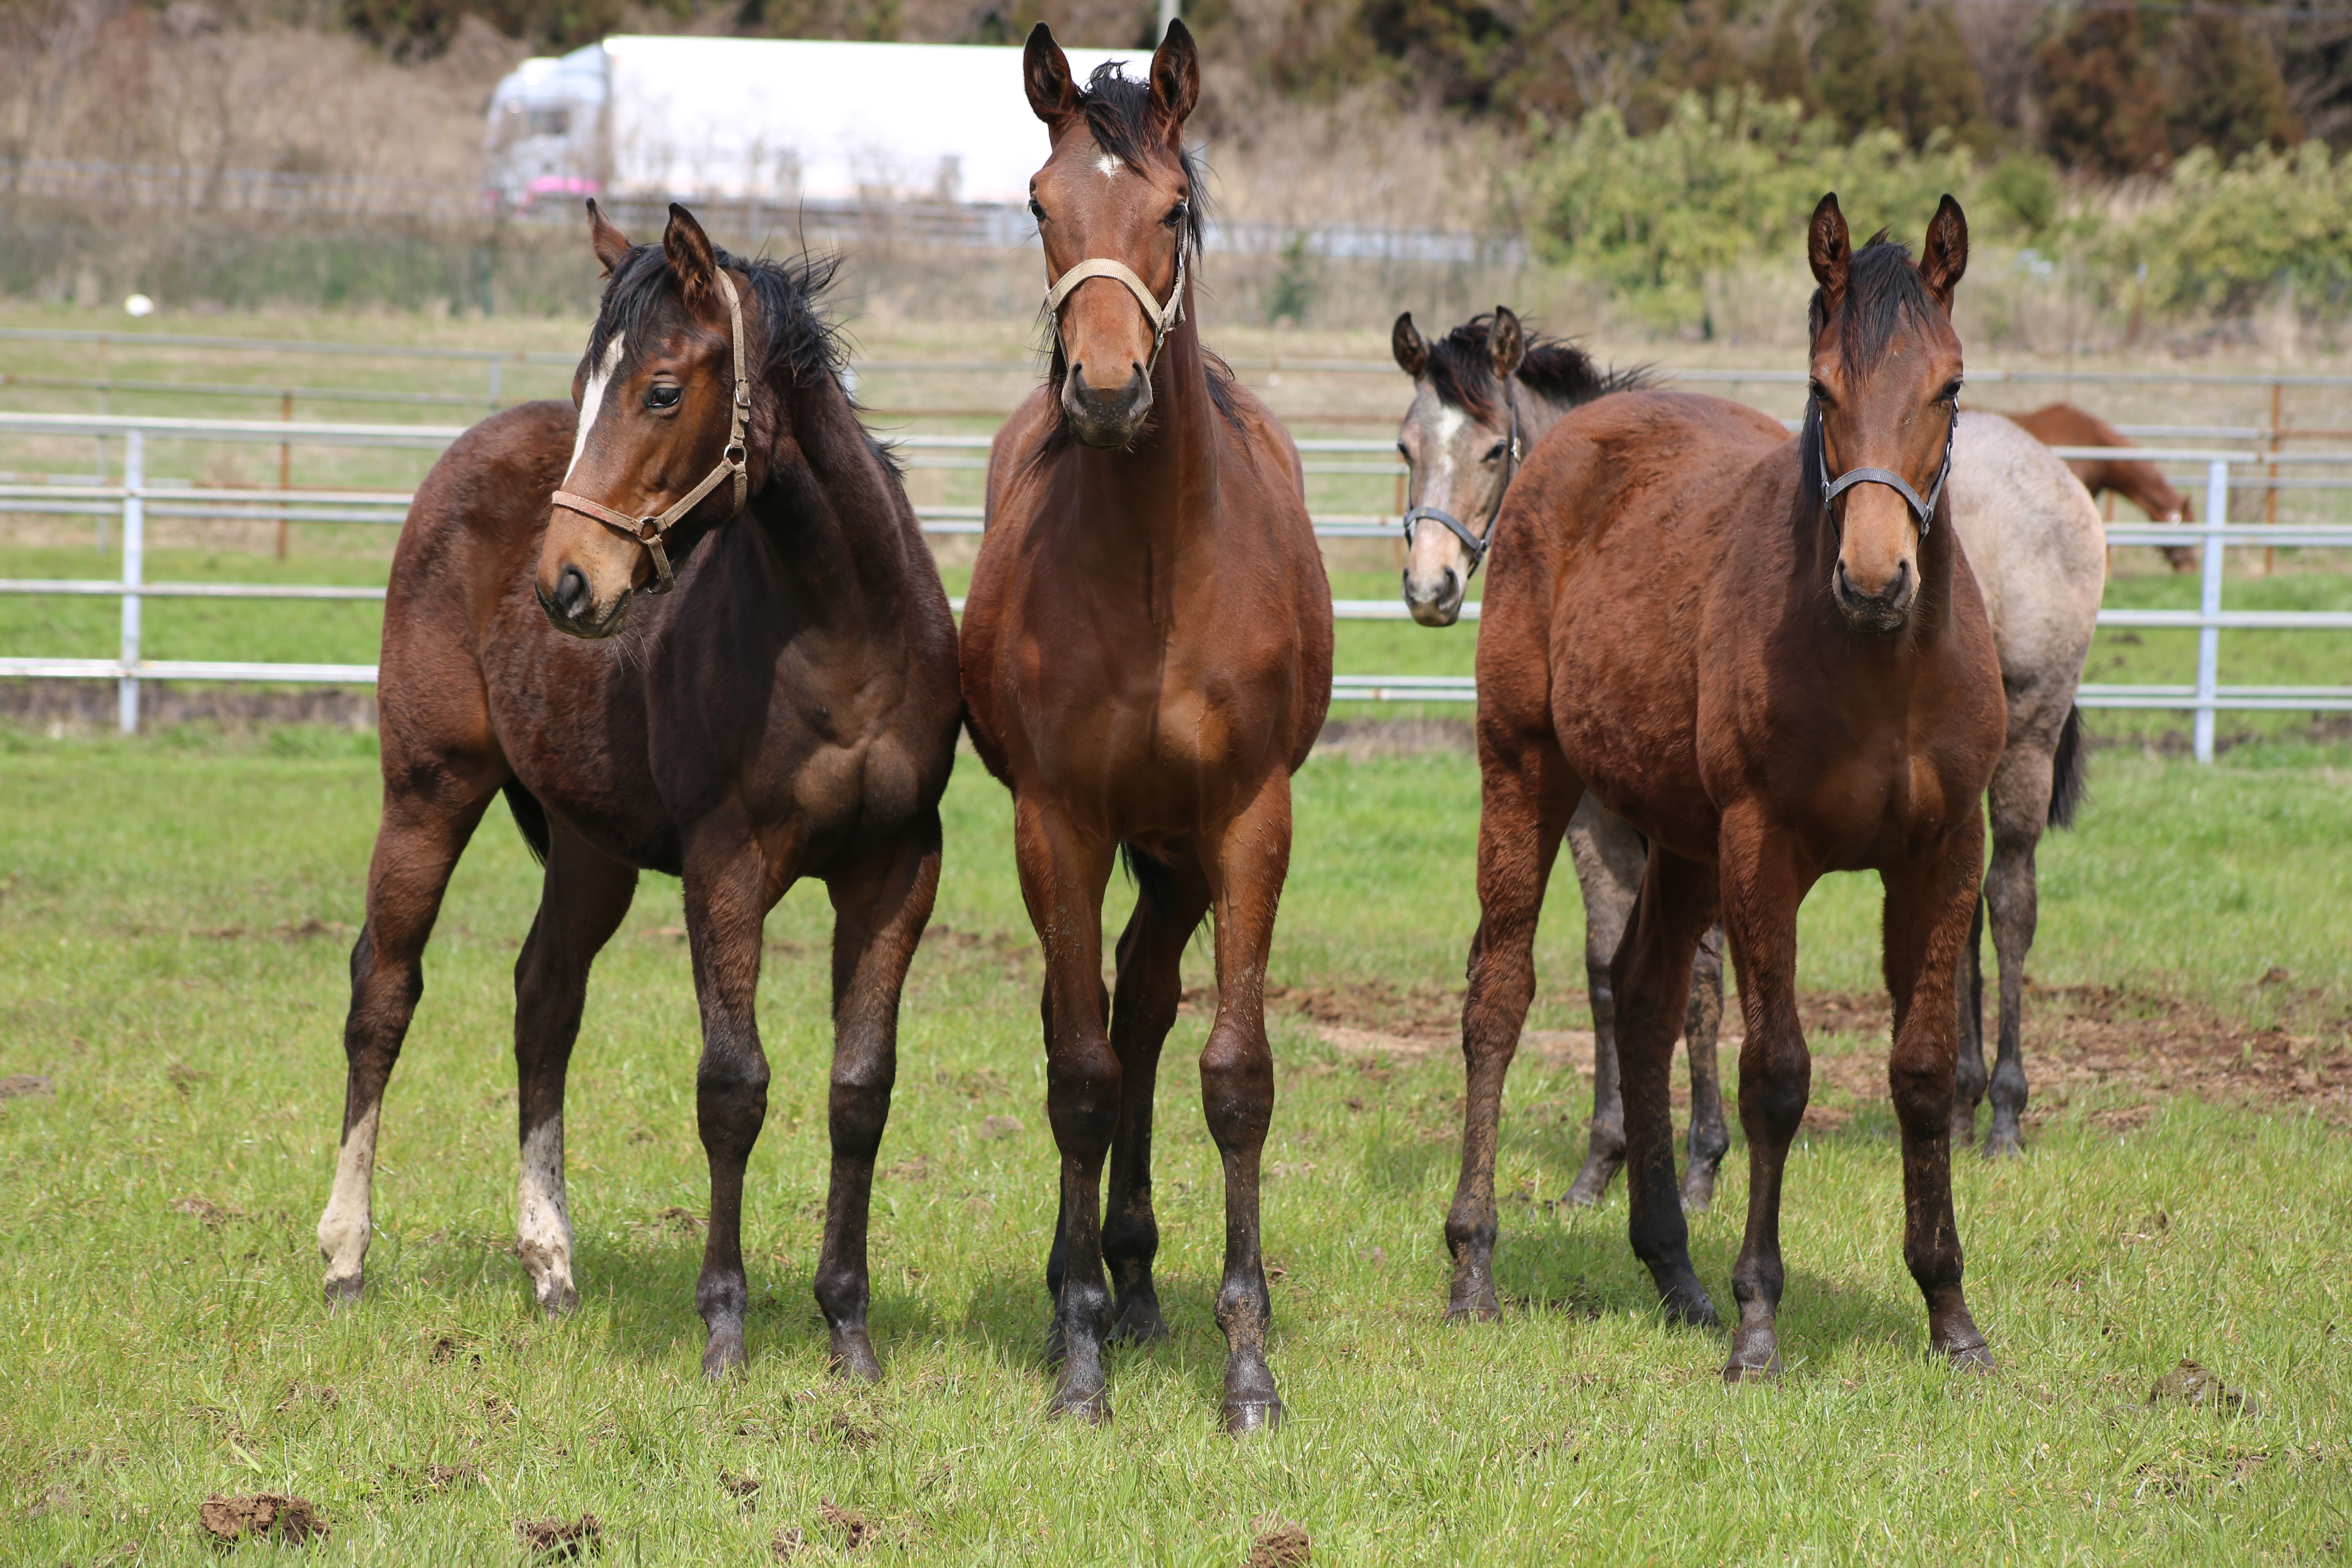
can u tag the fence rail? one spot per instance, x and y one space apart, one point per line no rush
136 499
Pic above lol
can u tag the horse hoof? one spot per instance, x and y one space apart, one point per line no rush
853 1360
2003 1144
1591 1184
1736 1372
1088 1409
1976 1358
723 1358
1687 1306
559 1304
1698 1193
1139 1323
343 1292
1244 1417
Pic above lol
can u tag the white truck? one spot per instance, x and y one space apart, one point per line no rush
787 121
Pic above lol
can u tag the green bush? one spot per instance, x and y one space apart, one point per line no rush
1720 183
2223 239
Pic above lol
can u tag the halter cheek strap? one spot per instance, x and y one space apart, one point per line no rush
1925 510
1163 318
733 462
1472 542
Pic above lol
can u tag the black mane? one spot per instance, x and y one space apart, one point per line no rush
1883 294
1462 368
801 338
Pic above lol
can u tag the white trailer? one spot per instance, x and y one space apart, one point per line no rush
771 119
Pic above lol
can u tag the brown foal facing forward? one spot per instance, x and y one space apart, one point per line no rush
1770 657
788 711
1147 658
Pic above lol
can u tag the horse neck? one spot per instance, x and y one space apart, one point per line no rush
1537 414
831 512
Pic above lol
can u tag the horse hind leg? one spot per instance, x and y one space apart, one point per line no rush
1652 976
582 897
1170 898
1969 1080
425 829
1710 1140
1607 853
2019 798
878 921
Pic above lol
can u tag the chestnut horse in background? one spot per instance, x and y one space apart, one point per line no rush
1772 658
1147 658
2141 483
789 710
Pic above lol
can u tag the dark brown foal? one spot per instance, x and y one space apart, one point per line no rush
1147 658
789 710
1772 658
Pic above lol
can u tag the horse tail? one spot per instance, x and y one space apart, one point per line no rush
530 816
2067 785
1154 888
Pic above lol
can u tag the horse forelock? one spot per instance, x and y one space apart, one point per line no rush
1462 372
800 337
1884 296
1119 115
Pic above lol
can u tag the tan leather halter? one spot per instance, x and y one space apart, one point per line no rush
733 460
1163 318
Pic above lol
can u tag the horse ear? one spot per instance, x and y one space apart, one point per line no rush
1829 248
690 256
1945 257
1405 343
1508 343
1175 80
1045 73
611 246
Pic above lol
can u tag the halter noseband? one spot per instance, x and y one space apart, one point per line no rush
733 460
1925 510
1472 542
1161 317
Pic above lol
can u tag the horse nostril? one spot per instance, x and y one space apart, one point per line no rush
1453 586
572 593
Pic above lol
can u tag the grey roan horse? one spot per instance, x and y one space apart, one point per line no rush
1484 395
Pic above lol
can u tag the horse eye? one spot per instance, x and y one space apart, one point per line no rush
1402 453
1495 454
1035 211
663 396
1951 393
1175 215
1817 392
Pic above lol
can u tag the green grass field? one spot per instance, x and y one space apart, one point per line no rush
175 916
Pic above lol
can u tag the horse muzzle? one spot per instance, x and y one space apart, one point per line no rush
571 607
1434 600
1887 608
1107 420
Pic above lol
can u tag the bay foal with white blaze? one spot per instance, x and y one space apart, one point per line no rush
788 711
1147 658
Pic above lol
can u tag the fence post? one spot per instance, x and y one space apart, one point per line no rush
134 567
2209 604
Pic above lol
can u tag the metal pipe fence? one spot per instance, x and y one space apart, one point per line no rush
135 499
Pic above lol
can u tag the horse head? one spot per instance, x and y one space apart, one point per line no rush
1885 383
1117 206
665 407
1459 441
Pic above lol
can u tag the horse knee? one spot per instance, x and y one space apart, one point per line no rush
1082 1096
1237 1086
857 1108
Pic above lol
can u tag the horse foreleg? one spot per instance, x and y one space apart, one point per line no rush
1761 888
1710 1140
879 913
1968 1070
1251 859
1528 796
1608 855
1651 977
729 891
1170 898
425 829
2019 801
1929 906
582 898
1063 870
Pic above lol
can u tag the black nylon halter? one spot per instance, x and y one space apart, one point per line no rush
1472 542
1925 510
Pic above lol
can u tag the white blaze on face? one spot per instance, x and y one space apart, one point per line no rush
343 1229
543 1220
591 398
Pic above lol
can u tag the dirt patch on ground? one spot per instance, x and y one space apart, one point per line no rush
2122 1043
561 1539
264 1516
